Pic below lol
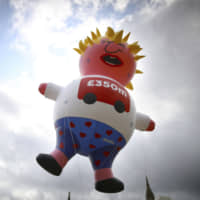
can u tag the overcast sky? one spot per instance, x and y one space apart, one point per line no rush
36 45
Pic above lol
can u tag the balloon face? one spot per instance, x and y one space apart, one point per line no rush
109 59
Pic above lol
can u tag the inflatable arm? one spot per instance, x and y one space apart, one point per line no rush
50 90
144 122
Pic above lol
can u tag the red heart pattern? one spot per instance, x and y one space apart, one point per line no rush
61 132
97 162
97 135
106 153
88 124
92 146
82 134
72 125
109 132
61 145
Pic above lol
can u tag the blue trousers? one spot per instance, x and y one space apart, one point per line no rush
88 137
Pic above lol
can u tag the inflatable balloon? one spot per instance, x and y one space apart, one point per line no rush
95 115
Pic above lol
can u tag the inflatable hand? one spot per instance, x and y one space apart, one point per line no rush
151 126
42 88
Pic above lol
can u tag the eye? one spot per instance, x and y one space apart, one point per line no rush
122 45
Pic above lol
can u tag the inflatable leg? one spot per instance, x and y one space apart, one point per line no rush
104 180
66 148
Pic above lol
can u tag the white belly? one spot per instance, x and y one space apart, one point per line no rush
69 105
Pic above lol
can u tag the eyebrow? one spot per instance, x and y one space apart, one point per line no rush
103 41
121 45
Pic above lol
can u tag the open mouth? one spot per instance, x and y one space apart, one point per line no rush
111 60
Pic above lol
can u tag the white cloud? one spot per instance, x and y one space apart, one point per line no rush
37 21
153 7
45 30
119 5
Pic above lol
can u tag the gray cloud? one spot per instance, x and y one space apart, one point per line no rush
170 41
